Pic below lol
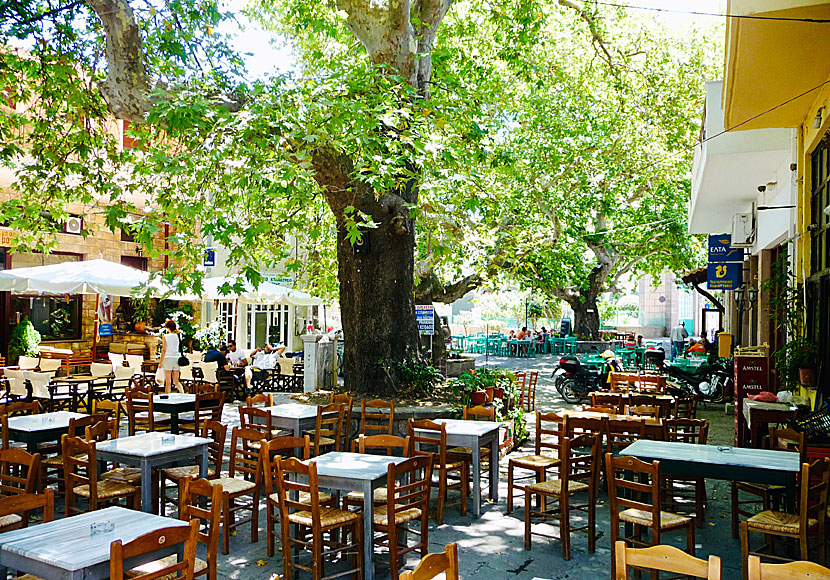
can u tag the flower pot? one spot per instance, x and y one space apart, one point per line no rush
141 326
490 391
478 398
498 393
807 377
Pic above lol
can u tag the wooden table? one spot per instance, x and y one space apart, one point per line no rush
720 462
475 435
758 413
174 403
294 417
64 549
44 428
150 451
356 472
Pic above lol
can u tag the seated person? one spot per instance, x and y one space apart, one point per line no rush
696 346
219 357
523 334
236 356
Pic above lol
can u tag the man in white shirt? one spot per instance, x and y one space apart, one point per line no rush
235 356
678 337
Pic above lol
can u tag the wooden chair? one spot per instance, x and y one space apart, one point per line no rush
614 400
665 559
477 413
377 417
550 429
80 470
346 424
606 410
407 501
216 432
623 432
528 396
155 540
267 400
17 508
19 472
140 412
645 411
622 382
16 408
208 407
432 565
696 432
243 481
51 467
258 419
652 383
425 435
578 473
112 409
627 504
768 495
311 518
792 571
685 407
371 444
810 520
328 429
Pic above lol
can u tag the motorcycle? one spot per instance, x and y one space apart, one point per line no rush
710 382
575 382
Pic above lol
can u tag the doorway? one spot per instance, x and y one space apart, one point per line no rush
712 322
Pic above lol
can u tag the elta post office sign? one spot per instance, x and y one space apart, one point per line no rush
721 250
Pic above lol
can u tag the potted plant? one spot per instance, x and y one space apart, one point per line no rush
796 362
24 341
141 313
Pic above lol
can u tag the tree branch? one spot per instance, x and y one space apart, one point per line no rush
592 26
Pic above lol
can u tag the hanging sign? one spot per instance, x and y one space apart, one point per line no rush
721 250
425 317
725 276
104 315
210 258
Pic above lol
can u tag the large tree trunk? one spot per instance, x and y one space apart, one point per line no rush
586 316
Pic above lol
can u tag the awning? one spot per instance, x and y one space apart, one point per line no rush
265 293
85 277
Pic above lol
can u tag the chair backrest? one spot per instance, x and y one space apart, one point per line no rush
110 408
266 399
788 440
195 494
653 383
99 370
40 384
428 436
614 400
22 504
407 485
17 382
80 467
529 396
550 429
815 479
297 447
608 410
687 430
50 365
479 413
637 399
19 471
377 417
645 411
329 424
579 425
217 432
244 459
258 419
391 445
78 425
20 408
208 407
296 476
139 400
580 460
432 565
632 493
123 372
116 359
685 407
803 570
666 559
134 361
206 372
621 433
27 363
155 540
102 430
346 424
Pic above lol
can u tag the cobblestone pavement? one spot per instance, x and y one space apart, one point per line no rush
492 546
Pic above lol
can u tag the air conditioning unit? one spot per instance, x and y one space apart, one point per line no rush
74 225
743 230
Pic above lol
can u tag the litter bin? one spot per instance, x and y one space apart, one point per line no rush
725 344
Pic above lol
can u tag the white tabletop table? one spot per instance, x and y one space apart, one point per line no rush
66 550
475 435
153 450
43 428
295 417
356 472
174 403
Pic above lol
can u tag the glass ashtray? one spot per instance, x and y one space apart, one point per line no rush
168 439
164 396
47 419
102 527
724 448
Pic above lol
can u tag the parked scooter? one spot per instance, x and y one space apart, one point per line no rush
575 382
710 381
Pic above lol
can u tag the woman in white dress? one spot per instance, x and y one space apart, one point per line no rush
170 353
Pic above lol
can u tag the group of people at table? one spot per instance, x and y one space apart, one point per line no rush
662 444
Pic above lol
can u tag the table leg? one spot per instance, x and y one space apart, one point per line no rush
203 463
146 488
31 445
174 421
494 469
476 478
368 539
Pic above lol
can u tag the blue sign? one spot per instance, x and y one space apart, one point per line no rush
105 330
210 257
721 250
425 317
725 276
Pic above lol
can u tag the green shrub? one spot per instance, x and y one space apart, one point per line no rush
419 379
24 340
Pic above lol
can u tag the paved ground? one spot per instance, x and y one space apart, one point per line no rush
492 547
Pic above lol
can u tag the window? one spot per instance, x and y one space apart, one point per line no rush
266 322
227 316
55 318
136 262
820 199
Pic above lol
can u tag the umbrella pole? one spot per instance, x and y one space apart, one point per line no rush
95 326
